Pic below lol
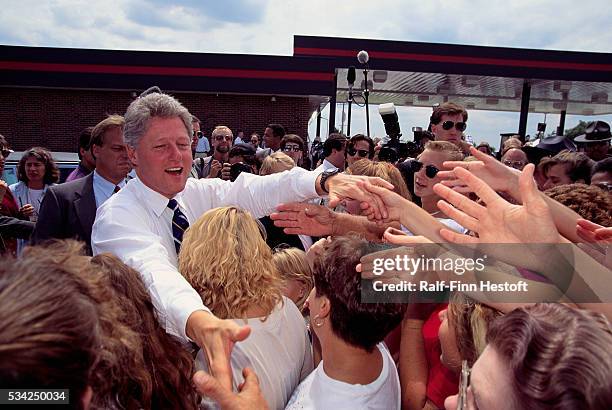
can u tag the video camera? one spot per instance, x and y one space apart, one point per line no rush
394 150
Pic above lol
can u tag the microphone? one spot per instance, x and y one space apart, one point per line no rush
363 57
350 76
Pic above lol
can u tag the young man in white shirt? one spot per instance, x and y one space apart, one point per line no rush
138 225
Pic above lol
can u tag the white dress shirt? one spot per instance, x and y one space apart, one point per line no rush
136 225
325 166
103 188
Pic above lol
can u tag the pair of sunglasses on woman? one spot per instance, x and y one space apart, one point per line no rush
430 170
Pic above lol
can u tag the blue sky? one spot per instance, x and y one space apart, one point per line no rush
267 27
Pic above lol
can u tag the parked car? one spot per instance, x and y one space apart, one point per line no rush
66 162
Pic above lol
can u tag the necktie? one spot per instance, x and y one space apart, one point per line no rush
179 224
117 188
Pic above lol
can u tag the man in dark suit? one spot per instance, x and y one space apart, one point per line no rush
68 210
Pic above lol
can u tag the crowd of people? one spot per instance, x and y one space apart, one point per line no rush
177 270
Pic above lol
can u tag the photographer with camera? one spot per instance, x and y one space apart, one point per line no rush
210 167
241 159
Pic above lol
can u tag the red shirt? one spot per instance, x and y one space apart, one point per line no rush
441 382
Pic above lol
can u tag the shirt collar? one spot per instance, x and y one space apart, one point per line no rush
156 201
105 185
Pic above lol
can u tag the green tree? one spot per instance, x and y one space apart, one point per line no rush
577 130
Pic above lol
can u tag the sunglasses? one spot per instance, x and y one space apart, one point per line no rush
294 148
223 137
459 126
514 164
198 134
606 186
430 170
361 152
6 152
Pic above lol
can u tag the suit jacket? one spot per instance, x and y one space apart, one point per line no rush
67 211
13 228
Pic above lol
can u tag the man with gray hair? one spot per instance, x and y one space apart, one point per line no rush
143 224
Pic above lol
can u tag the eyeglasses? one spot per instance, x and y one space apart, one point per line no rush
459 126
294 148
198 134
430 170
361 152
223 137
606 186
6 152
514 164
254 142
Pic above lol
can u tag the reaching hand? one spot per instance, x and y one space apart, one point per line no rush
226 171
592 232
394 203
304 219
341 186
216 337
495 174
397 237
499 221
249 397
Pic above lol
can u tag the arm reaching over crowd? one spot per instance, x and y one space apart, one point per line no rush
505 179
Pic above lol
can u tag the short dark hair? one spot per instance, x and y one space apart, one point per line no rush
578 165
277 130
43 155
296 139
84 140
334 141
558 357
360 137
447 108
97 134
605 165
362 325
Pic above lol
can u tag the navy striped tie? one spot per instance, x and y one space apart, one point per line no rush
179 224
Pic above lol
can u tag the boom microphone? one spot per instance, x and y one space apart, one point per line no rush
363 57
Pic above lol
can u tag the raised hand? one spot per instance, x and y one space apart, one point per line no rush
341 186
495 174
592 232
304 219
499 221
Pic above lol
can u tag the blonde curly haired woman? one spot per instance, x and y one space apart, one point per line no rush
226 260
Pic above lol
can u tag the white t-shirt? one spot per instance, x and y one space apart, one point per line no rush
279 351
319 391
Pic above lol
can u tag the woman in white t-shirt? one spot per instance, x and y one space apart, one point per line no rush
357 371
225 258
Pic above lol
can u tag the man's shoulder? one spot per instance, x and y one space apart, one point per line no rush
72 187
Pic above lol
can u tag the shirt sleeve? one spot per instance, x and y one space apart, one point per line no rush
123 232
261 194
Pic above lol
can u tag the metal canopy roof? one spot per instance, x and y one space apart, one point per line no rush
478 92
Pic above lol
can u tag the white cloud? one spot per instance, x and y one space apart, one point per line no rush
267 27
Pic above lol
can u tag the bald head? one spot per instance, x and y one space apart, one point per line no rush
515 158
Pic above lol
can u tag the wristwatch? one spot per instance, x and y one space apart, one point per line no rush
325 176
